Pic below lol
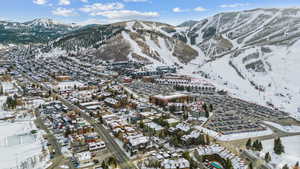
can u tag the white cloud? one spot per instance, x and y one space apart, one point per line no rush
64 12
233 5
40 2
126 14
64 2
85 1
177 10
200 9
135 0
96 7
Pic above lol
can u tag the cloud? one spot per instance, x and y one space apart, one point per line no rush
40 2
85 1
96 7
199 9
64 2
126 14
234 5
135 0
64 12
177 10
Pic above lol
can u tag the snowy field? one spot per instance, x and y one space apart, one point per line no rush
19 148
292 151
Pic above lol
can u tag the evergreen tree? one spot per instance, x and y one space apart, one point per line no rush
255 145
206 114
1 90
185 116
186 155
211 107
11 102
278 147
142 125
259 146
249 144
285 166
103 165
101 119
207 140
204 106
228 164
250 166
201 139
267 157
112 162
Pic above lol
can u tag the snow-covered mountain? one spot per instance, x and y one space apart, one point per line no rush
253 54
49 23
36 31
152 42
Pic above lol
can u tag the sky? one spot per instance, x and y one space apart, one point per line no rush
107 11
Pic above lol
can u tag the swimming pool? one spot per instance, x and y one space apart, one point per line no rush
216 165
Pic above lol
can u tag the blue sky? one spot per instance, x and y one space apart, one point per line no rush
107 11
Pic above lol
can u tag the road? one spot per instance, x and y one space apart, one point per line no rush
120 155
58 157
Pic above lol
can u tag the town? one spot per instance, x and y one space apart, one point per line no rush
127 114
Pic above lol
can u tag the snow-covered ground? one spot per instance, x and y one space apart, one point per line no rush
292 151
34 103
19 147
288 129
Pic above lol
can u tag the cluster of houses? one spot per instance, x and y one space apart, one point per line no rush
133 139
76 136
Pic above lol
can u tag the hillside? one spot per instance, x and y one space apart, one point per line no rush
253 54
151 42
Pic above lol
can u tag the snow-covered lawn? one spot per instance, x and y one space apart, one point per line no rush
18 145
288 129
292 151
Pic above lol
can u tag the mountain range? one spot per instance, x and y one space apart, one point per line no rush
35 31
252 54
